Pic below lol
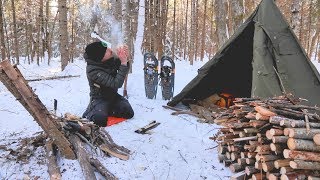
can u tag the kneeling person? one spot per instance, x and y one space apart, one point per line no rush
106 71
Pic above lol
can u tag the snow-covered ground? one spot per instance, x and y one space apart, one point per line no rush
179 148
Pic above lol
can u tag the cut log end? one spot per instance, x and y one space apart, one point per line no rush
316 139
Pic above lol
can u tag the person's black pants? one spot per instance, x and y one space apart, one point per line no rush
99 110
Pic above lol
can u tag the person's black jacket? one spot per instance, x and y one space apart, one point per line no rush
105 77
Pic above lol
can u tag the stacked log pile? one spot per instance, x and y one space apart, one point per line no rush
270 139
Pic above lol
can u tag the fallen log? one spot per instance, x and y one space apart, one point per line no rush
296 107
274 176
277 119
293 175
302 124
302 145
187 112
119 155
268 166
83 158
302 133
264 111
281 163
238 176
12 78
235 156
250 161
286 169
235 167
52 78
279 139
250 170
102 170
172 108
268 157
300 164
258 176
53 168
245 138
222 157
301 155
262 117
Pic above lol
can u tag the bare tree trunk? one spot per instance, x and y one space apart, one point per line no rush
229 19
179 41
195 33
174 29
212 42
51 37
146 34
220 22
301 33
116 6
38 24
127 21
2 41
203 46
317 50
249 7
308 34
47 34
186 32
42 34
295 18
15 34
152 15
237 12
27 41
30 30
314 39
134 11
7 38
73 45
63 30
163 26
192 33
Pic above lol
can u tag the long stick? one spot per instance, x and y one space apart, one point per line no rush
125 92
52 78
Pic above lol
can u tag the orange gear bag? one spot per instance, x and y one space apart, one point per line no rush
226 100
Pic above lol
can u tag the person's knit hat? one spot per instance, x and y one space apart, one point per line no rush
95 51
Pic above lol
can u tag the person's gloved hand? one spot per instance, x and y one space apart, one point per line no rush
72 126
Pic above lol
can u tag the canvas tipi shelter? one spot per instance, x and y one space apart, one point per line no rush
262 59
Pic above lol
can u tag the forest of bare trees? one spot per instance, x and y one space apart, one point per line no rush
37 30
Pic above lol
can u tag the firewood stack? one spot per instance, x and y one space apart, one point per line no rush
270 139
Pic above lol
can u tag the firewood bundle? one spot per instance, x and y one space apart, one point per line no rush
273 138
